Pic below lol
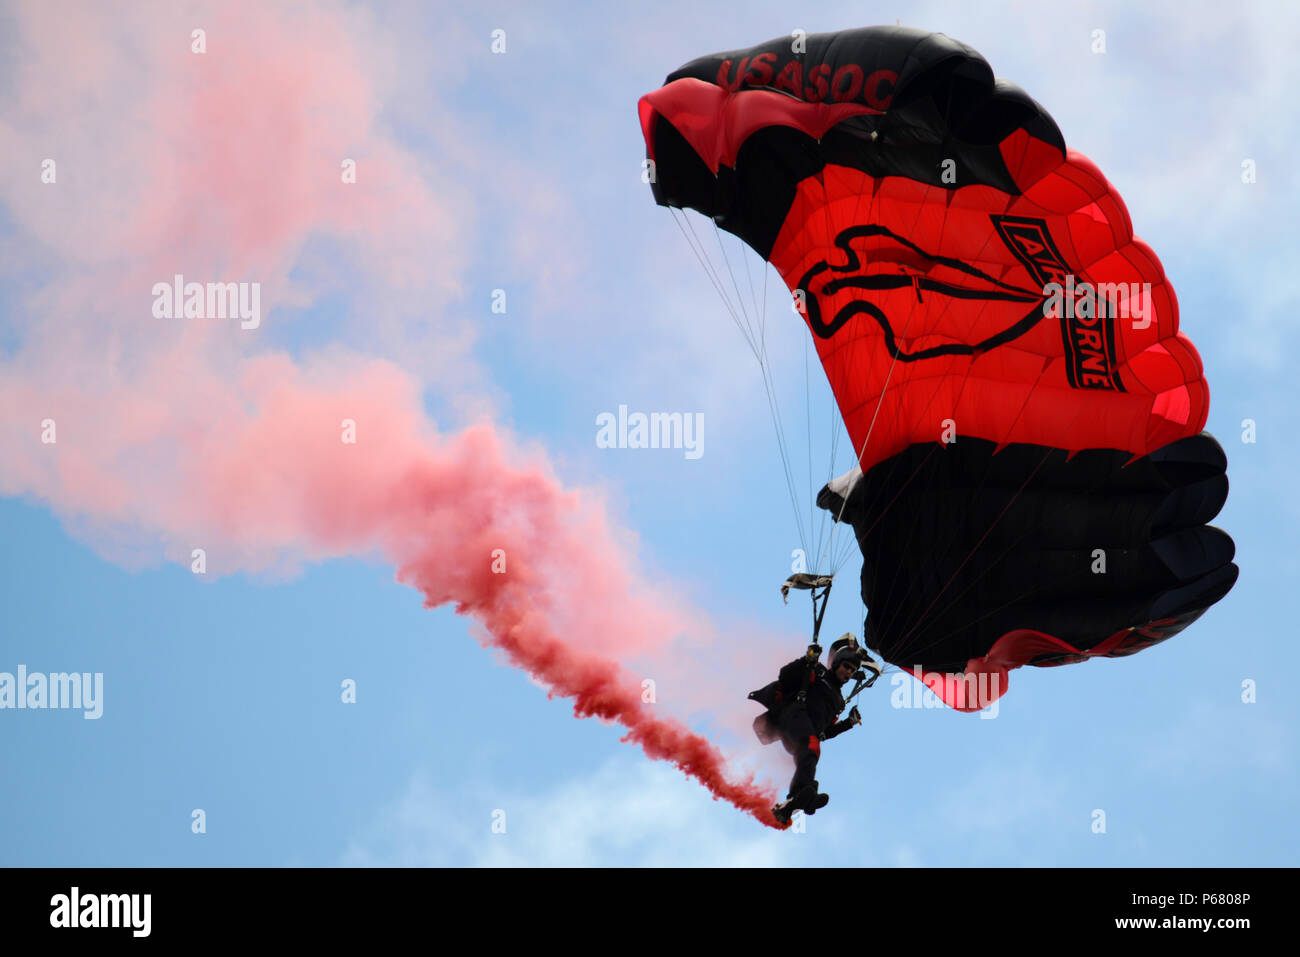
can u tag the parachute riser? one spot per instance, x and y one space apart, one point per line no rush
819 611
819 586
861 683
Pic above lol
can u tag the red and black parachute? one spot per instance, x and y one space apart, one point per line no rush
1028 419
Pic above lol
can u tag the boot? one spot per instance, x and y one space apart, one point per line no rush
813 802
793 802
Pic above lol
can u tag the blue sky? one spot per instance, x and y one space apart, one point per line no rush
225 695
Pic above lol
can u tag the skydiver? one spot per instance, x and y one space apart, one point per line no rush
803 704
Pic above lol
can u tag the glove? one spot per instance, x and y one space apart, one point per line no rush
854 717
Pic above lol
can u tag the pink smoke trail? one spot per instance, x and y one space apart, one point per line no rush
553 559
538 567
183 434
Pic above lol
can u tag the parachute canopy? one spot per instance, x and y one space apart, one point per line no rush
1034 483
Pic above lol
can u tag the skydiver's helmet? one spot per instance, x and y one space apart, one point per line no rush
843 649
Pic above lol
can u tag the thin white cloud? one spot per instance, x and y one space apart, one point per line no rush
626 813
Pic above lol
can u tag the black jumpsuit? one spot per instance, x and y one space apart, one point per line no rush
810 718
